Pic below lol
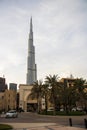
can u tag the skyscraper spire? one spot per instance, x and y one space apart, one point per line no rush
31 66
31 26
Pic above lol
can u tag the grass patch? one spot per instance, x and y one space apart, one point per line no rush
5 127
64 113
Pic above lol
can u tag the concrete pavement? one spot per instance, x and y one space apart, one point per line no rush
45 125
42 126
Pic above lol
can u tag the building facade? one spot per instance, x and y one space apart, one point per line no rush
68 82
2 103
25 101
8 100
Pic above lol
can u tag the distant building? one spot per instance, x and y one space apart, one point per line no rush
13 86
7 97
68 82
3 85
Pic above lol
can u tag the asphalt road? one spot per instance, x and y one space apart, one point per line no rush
27 117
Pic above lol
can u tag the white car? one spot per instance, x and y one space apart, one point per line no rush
61 109
50 109
79 109
73 109
11 113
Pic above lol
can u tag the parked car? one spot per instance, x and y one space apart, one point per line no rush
73 109
61 109
11 113
50 109
79 109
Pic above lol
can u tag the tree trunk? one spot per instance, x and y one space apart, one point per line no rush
46 104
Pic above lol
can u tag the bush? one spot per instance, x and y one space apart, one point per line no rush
64 113
72 113
5 127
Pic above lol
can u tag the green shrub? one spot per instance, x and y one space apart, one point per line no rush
64 113
5 127
72 113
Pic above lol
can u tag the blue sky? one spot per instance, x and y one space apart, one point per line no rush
60 38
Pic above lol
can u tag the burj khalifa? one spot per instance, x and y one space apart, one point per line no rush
31 66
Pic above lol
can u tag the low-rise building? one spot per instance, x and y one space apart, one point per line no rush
7 100
2 103
68 82
10 99
25 101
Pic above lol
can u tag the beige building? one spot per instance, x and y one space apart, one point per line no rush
7 100
69 82
2 104
25 101
10 99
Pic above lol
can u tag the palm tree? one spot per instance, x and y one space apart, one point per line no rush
36 92
80 85
46 95
69 98
52 81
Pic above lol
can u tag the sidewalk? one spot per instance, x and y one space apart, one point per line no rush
41 126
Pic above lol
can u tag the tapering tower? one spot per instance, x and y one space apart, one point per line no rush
31 66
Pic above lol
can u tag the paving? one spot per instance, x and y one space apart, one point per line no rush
18 124
42 126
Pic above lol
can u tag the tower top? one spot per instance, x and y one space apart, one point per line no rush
31 26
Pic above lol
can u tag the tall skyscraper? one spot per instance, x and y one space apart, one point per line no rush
31 66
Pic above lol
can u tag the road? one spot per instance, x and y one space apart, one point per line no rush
27 117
